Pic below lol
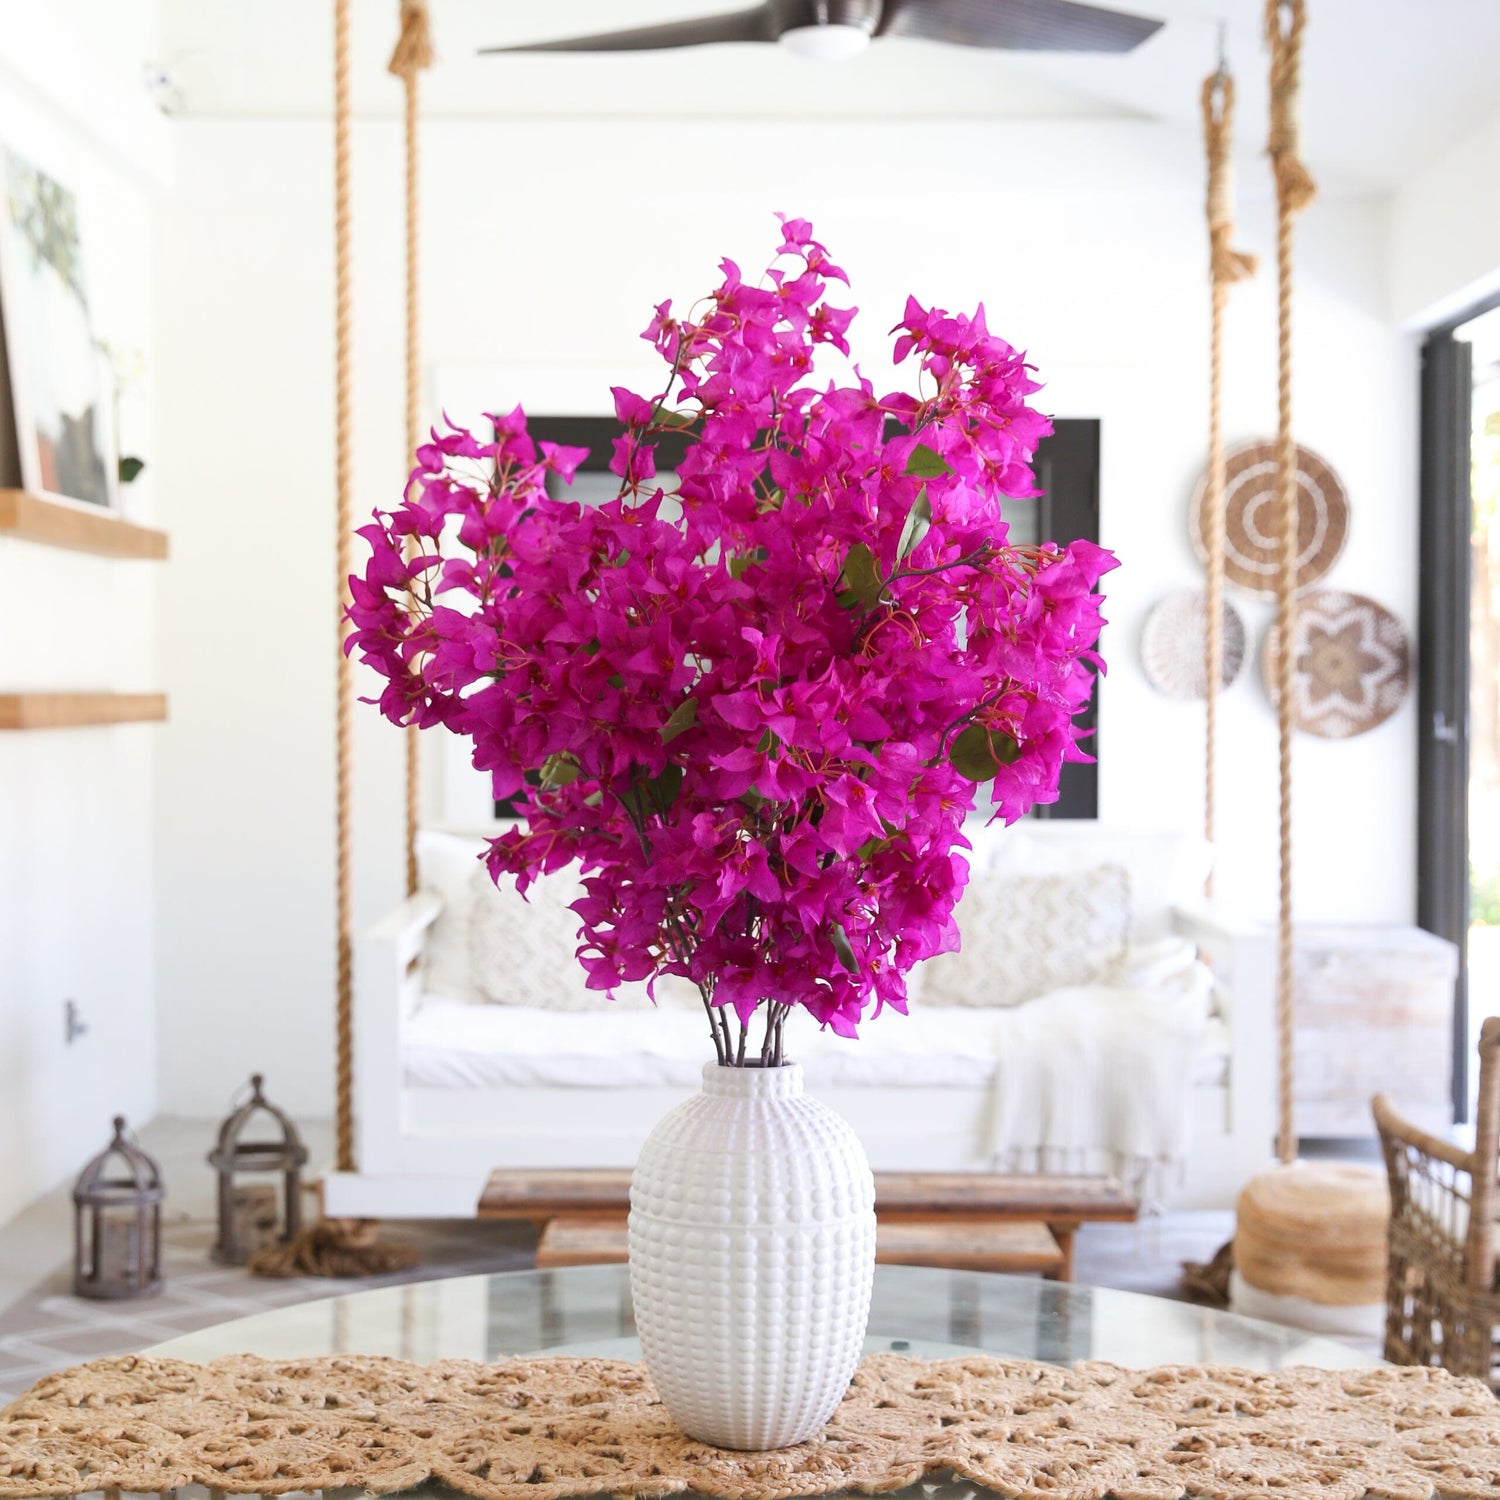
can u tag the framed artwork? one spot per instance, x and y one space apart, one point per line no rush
58 377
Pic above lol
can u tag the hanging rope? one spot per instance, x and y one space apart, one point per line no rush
1226 266
340 1247
344 690
412 56
1285 22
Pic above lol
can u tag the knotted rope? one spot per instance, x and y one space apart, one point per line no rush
344 484
413 54
1285 23
1226 266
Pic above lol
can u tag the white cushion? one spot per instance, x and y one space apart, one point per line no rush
1025 935
452 1045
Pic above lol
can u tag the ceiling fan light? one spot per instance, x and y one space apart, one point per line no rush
828 43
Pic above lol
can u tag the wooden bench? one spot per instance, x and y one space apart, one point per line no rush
1017 1247
979 1201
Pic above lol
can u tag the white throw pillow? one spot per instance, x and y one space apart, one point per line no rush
1025 935
1166 869
446 866
521 948
521 951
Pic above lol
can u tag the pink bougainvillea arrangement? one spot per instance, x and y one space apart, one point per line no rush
753 705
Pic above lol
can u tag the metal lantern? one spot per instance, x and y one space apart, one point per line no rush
117 1223
254 1216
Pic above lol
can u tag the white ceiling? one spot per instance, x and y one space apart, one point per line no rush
1387 83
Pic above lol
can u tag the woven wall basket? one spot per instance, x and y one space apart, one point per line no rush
1172 645
1250 518
1353 664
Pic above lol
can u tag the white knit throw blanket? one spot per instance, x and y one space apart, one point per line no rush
1098 1079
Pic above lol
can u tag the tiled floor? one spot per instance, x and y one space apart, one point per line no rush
43 1327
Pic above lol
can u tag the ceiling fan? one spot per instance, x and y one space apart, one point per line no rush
830 30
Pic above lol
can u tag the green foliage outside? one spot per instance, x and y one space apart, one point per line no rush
1484 899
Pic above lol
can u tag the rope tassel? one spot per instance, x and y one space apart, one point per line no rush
1227 264
413 51
1285 22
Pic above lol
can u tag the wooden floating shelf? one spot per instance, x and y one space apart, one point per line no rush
79 710
35 519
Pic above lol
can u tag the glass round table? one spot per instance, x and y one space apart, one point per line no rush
925 1313
917 1312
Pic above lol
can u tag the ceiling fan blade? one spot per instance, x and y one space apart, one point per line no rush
756 25
1018 25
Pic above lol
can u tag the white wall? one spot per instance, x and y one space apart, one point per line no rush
76 842
1445 231
545 248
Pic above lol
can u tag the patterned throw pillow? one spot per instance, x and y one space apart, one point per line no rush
1024 935
521 952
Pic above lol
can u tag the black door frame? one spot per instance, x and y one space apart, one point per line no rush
1443 665
1445 510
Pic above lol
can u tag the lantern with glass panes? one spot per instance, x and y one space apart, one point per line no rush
254 1215
117 1222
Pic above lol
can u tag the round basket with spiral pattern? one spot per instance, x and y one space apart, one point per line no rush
1251 525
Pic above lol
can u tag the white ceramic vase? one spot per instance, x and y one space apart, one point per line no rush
752 1252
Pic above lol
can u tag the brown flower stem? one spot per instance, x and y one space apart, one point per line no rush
765 1046
713 1026
970 560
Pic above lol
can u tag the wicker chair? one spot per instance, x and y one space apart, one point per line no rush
1443 1305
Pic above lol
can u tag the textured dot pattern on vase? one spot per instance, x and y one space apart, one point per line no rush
752 1253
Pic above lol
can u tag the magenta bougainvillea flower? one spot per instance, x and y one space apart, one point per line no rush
753 704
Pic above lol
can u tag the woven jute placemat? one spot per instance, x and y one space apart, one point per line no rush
548 1428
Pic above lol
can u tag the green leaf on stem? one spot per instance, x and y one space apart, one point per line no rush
663 789
739 566
918 524
843 947
927 463
978 752
664 416
860 578
1006 750
684 716
559 770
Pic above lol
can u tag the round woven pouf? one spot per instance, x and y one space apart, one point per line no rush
1309 1248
